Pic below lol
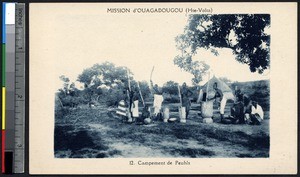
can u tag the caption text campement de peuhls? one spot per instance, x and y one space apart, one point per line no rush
151 163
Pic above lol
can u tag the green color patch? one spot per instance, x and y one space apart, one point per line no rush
3 65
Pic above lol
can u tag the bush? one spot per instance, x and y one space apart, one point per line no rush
111 97
171 99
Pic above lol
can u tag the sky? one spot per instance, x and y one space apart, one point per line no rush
137 41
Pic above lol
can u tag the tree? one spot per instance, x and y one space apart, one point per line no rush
243 34
66 80
170 87
69 95
145 89
100 78
104 74
196 68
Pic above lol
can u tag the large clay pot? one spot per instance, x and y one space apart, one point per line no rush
207 109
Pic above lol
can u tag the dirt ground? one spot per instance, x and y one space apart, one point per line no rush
98 133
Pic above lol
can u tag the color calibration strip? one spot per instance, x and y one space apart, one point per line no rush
8 88
3 88
13 88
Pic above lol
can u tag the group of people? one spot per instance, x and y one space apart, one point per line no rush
246 111
128 105
243 111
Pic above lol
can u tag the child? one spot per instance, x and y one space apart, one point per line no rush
145 115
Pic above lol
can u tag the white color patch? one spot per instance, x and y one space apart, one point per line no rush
10 12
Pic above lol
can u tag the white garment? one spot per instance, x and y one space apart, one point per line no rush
200 96
258 110
226 96
210 94
121 108
135 108
158 99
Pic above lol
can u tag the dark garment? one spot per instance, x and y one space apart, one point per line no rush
248 108
204 96
158 117
145 114
157 91
219 93
140 120
237 112
132 97
185 94
255 119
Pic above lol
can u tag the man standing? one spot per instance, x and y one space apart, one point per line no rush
224 96
158 98
135 105
185 94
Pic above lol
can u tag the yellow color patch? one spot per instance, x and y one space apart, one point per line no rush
3 108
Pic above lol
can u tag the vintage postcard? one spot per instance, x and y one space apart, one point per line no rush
163 88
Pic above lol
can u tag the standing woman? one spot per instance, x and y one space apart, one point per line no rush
224 96
131 95
158 97
135 105
185 94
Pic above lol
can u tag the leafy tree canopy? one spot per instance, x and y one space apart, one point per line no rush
244 34
170 87
105 74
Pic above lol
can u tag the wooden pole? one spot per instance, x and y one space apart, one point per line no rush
151 80
207 86
151 73
141 93
129 86
179 94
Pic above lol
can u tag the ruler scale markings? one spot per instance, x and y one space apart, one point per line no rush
20 89
13 87
10 49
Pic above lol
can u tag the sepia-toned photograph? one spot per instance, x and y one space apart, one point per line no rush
196 89
163 88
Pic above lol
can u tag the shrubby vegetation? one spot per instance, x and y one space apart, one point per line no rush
256 90
103 83
106 84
